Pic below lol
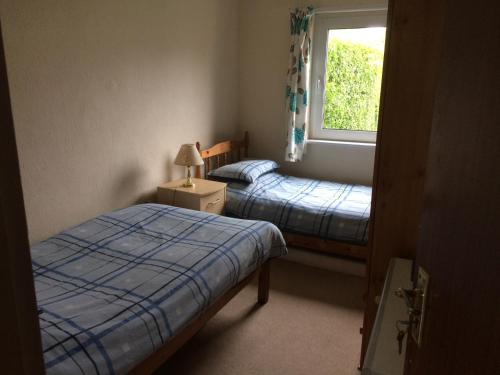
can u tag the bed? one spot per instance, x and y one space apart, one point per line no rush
323 216
122 292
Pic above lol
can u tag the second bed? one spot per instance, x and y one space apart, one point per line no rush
323 216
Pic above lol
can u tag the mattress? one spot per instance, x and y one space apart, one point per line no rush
114 289
323 209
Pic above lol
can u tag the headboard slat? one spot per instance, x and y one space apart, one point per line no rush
221 151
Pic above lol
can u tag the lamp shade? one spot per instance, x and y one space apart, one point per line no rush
188 155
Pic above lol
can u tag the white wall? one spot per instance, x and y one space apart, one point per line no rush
264 46
105 92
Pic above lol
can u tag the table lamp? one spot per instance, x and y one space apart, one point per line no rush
188 155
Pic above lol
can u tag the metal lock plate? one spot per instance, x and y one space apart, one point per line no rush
419 305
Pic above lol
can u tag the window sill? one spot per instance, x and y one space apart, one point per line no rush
344 143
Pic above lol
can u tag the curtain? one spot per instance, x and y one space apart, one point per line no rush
297 90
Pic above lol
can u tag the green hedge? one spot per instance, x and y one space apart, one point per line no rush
352 90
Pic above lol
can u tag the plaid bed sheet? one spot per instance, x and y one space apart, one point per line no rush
112 290
320 208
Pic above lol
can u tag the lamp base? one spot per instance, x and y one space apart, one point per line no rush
189 182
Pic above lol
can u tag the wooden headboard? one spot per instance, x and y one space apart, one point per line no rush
222 153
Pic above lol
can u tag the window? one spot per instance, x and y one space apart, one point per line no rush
347 62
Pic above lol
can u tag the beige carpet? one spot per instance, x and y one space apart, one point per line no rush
309 326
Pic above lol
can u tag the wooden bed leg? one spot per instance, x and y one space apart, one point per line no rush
264 283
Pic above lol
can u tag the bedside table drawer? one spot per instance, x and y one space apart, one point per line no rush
205 195
214 203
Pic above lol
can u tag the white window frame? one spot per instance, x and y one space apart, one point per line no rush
323 23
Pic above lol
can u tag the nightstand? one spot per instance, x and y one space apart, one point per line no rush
207 195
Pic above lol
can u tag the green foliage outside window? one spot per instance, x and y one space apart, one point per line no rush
352 90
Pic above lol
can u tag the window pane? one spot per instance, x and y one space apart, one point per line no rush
353 78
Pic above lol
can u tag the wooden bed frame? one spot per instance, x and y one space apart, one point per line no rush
231 151
158 358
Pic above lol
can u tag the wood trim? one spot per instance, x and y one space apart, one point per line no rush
158 358
326 246
22 349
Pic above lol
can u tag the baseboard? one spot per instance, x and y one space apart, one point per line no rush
327 262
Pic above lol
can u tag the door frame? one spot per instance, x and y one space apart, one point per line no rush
22 349
409 80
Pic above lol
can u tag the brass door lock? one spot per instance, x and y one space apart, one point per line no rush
415 302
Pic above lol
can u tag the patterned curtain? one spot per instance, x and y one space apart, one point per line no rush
297 90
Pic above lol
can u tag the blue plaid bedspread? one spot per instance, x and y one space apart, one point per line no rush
320 208
112 290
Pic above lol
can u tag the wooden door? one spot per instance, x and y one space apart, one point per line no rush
459 238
